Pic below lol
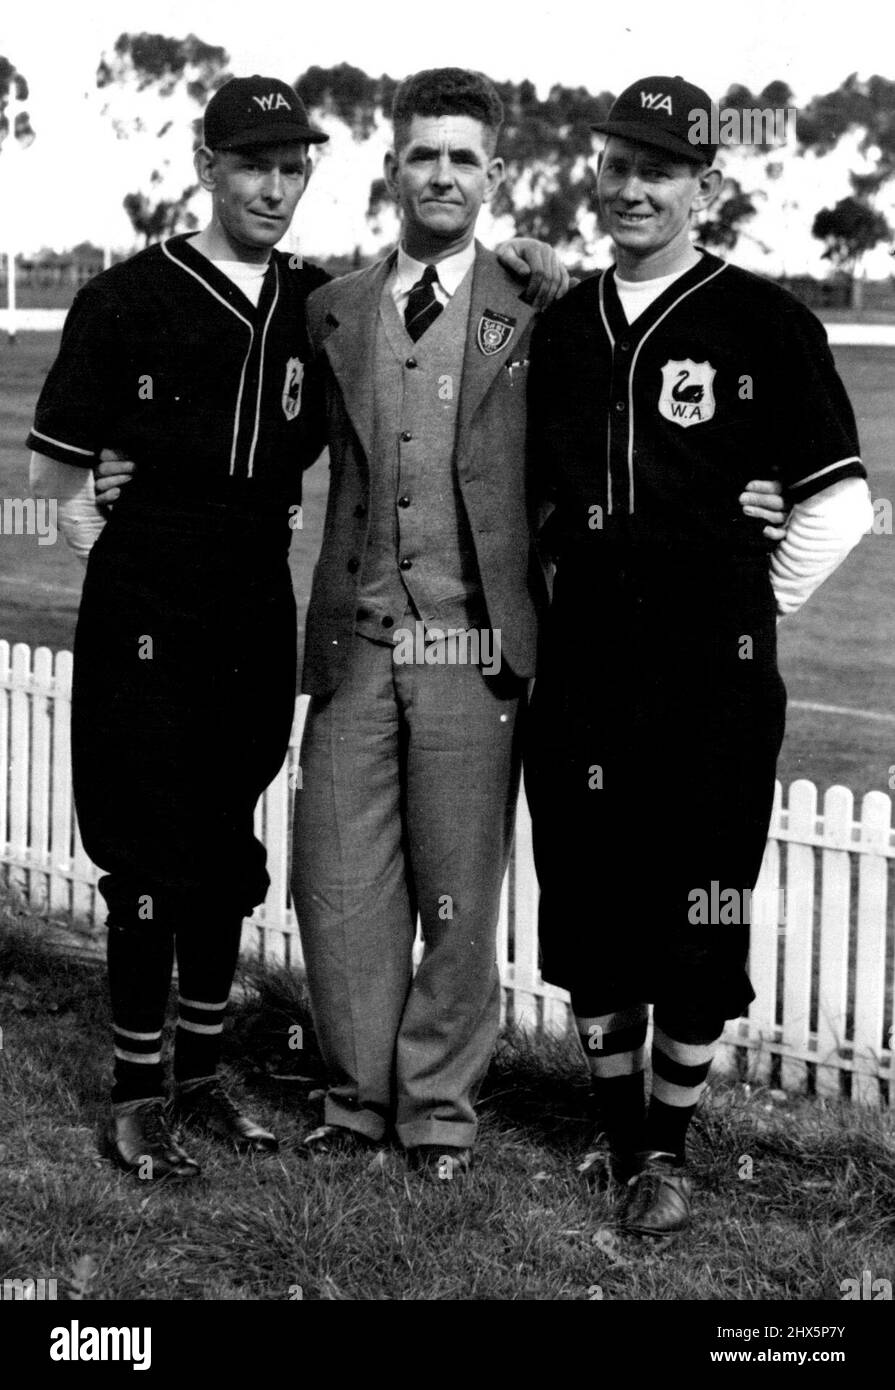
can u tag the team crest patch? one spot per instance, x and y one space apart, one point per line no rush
295 370
494 332
687 397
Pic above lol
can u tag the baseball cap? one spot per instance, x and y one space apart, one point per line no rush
257 111
661 111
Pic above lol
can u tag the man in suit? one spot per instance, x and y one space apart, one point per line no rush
411 755
421 637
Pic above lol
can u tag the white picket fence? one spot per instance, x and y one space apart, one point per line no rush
822 934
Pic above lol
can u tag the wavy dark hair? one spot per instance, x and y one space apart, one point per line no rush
447 92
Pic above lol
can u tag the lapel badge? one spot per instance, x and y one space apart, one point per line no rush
494 332
291 398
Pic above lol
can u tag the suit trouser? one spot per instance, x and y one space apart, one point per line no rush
410 775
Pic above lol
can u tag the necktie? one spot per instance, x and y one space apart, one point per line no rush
422 306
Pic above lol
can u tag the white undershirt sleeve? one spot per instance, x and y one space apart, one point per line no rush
78 517
820 532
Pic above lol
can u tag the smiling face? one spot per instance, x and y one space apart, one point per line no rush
646 199
254 194
441 174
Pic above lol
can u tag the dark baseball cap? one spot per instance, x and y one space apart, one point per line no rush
664 112
257 111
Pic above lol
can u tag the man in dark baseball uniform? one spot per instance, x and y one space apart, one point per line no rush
657 389
189 359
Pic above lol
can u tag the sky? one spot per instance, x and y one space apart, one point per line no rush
68 186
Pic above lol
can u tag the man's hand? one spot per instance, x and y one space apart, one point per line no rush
110 475
764 498
537 262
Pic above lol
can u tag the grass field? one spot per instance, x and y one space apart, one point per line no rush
839 651
812 1207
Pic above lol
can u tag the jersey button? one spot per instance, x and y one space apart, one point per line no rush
625 347
620 407
353 566
404 501
406 436
406 564
388 622
411 362
360 510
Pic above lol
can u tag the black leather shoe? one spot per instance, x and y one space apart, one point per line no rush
659 1204
205 1105
141 1142
603 1165
330 1140
440 1162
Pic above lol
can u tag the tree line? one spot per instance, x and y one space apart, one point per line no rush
547 142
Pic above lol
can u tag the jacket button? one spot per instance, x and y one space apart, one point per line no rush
406 564
406 436
411 362
404 501
360 510
353 566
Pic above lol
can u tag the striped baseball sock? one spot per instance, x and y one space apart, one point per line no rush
680 1072
141 963
206 964
615 1047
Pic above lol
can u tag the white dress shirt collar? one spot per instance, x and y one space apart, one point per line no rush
451 272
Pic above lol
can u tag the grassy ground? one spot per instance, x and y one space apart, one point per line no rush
840 651
817 1208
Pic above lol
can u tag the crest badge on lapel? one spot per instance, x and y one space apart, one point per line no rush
687 397
295 370
494 332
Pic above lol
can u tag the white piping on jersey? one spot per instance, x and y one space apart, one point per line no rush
840 463
651 329
91 453
276 295
608 429
221 300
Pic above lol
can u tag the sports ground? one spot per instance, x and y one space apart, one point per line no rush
837 656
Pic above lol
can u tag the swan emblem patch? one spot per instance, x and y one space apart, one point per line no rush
687 397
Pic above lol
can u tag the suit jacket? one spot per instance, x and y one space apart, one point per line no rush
490 458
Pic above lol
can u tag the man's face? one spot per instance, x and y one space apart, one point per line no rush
441 175
256 191
645 197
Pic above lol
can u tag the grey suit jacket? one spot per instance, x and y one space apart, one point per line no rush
490 457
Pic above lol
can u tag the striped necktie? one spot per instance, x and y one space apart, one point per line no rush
422 306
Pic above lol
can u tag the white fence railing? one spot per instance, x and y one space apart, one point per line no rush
822 932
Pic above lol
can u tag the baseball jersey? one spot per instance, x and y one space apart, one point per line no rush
647 432
164 358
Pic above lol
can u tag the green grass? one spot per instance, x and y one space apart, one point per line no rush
817 1209
839 651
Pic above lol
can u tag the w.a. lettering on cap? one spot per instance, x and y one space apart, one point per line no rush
257 111
661 111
